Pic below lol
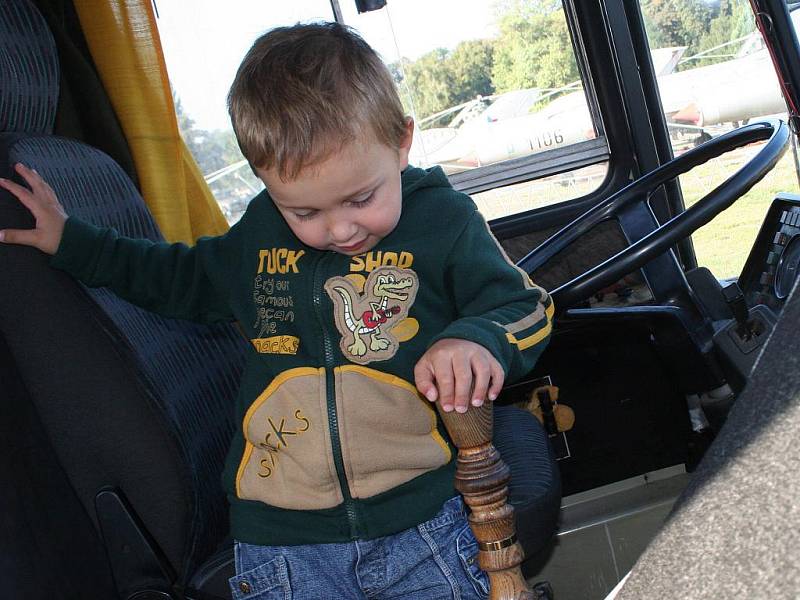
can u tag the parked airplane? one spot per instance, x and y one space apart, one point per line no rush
713 95
491 129
509 125
505 129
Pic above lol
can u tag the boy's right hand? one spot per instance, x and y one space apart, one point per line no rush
44 206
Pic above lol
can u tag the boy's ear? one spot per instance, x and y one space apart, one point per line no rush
405 143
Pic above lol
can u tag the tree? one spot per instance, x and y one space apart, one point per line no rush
734 20
471 63
676 22
441 79
213 150
533 49
207 152
431 82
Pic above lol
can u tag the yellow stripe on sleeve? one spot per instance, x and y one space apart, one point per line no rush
537 337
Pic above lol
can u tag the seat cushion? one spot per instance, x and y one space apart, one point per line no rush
535 487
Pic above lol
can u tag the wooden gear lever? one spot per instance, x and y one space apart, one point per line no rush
482 478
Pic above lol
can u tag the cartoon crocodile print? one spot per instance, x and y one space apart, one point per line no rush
380 289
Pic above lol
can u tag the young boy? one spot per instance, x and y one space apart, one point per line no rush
352 274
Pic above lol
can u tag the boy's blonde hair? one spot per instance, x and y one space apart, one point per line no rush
302 92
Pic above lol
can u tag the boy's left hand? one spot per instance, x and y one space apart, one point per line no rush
458 373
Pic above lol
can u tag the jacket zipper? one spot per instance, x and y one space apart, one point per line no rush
330 398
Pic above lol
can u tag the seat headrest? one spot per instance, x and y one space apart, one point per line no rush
28 70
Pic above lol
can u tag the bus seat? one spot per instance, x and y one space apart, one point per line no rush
133 404
138 409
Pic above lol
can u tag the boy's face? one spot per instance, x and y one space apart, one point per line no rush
348 202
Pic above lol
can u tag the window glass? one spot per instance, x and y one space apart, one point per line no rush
485 82
715 74
522 197
203 45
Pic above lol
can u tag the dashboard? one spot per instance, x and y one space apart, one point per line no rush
773 266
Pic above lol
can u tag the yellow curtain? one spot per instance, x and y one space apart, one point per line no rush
124 42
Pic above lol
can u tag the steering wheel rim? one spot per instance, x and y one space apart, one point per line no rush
668 234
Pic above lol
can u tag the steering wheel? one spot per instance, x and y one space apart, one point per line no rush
677 228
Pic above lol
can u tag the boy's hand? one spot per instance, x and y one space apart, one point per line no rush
458 373
45 208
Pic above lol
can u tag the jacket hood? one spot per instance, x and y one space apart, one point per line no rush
414 178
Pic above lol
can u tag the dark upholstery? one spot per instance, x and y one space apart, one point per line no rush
28 70
131 400
535 488
128 399
187 373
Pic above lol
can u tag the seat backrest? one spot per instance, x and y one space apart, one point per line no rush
128 399
28 70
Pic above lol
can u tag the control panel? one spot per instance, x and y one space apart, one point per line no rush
773 265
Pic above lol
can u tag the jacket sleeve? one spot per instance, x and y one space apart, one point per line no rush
497 304
172 280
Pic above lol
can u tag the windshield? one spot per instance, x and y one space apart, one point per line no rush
500 82
719 76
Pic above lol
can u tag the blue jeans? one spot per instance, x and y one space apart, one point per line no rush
436 560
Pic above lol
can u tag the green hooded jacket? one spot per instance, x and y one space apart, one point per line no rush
335 442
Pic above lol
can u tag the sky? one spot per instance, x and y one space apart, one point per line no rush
205 40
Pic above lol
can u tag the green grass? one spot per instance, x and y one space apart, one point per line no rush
723 244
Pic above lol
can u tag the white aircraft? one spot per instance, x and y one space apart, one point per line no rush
714 95
509 125
492 129
496 128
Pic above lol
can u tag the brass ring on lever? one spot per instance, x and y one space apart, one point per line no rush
494 546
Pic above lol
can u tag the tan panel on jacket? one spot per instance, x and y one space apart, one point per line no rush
388 431
287 460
